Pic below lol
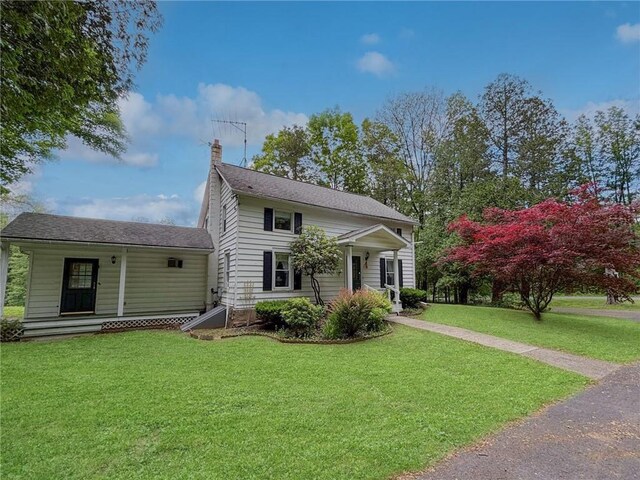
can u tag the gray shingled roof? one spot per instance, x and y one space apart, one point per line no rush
40 226
250 182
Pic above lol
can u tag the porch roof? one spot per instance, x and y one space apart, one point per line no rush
377 237
57 228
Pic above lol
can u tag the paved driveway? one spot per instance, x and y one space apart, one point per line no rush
594 435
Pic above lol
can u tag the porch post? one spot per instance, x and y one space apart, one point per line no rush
349 268
396 282
4 269
123 279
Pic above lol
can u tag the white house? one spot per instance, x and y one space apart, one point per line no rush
88 275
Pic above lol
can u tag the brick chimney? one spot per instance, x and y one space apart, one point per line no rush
216 152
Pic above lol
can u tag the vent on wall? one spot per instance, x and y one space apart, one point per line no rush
174 263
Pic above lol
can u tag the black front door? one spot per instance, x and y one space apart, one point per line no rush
356 272
79 285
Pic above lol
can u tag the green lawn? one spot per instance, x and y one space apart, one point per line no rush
595 303
13 312
158 404
598 337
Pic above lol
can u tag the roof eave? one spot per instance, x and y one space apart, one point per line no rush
11 239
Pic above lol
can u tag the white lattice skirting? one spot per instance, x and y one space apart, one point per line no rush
146 322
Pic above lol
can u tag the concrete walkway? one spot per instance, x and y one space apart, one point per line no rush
624 314
594 435
595 369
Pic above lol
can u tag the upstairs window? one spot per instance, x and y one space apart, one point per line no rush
282 221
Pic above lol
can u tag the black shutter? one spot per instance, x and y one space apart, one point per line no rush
400 272
399 231
297 223
268 220
267 268
383 272
297 279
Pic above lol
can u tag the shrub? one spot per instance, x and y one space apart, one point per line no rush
411 297
376 319
10 329
271 311
301 317
354 313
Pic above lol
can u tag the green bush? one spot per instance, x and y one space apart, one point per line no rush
10 329
411 297
271 311
301 317
376 319
356 313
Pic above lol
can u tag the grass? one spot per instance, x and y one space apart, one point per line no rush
13 312
594 303
597 337
154 404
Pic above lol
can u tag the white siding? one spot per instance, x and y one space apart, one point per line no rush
227 243
151 286
253 240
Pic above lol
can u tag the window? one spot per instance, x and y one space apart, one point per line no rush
224 218
80 275
282 221
282 270
390 272
227 270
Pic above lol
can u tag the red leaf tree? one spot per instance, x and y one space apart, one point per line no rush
552 246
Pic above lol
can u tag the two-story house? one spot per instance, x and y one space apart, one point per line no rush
89 275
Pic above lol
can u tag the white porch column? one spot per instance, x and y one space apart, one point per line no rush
349 268
4 269
396 282
123 280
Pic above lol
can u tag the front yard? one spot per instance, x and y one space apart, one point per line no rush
603 338
158 404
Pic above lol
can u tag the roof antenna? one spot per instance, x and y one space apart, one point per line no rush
241 126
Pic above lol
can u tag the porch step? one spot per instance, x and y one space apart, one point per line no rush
214 318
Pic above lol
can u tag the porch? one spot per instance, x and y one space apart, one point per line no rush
380 244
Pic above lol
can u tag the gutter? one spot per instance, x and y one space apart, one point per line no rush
102 244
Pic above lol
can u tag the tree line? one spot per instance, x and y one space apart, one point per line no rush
436 157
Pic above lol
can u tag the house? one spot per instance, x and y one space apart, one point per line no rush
88 275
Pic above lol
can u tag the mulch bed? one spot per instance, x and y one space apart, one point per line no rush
219 334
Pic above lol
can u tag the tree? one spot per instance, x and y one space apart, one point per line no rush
287 154
65 65
551 246
418 122
314 253
335 149
619 147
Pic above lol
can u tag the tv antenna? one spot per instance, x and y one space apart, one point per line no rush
242 127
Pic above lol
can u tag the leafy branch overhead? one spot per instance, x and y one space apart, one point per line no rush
65 65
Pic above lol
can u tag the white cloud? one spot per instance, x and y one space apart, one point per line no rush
628 33
150 122
198 193
375 63
370 38
149 207
632 107
76 150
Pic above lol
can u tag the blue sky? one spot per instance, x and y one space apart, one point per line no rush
274 64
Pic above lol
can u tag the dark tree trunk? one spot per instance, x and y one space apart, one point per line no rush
497 291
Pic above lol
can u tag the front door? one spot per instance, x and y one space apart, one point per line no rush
79 284
356 272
